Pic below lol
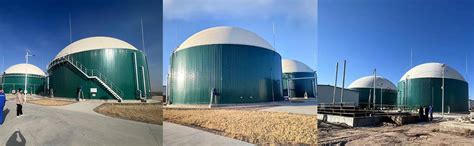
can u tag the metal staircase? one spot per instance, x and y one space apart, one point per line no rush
90 74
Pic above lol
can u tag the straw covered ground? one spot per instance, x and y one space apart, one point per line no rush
252 126
50 102
142 112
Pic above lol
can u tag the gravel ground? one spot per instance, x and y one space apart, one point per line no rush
256 127
411 134
142 112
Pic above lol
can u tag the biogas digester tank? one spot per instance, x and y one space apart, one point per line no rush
421 86
14 78
296 69
102 67
241 67
385 91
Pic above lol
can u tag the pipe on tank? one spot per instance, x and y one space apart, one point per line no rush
136 74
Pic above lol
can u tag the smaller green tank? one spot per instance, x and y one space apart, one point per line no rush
301 87
14 77
385 91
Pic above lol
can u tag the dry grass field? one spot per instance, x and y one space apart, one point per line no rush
255 127
50 102
142 112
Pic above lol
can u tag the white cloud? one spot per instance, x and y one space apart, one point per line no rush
240 9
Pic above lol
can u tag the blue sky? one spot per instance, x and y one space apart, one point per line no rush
295 23
43 27
380 34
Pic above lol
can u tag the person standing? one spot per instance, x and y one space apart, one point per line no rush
20 100
420 113
431 113
2 105
427 114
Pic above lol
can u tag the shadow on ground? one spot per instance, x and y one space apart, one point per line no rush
5 113
13 140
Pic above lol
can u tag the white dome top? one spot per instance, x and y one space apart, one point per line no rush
368 82
94 43
432 70
23 68
225 35
290 66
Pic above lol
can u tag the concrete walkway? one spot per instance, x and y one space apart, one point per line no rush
307 107
43 125
177 135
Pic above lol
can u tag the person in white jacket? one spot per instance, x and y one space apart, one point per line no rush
20 99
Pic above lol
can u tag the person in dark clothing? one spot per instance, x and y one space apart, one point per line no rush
420 113
2 104
426 114
431 113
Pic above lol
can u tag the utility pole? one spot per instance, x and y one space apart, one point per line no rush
26 70
70 29
343 80
335 85
375 79
442 90
143 37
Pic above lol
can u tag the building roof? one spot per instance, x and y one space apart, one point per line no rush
23 68
432 70
291 66
368 82
225 35
94 43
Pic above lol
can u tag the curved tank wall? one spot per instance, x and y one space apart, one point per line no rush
239 73
115 65
35 83
385 96
298 87
427 91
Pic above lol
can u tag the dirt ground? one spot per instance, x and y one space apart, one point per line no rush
142 112
50 102
252 126
411 134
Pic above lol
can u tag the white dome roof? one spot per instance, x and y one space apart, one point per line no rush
24 69
94 43
290 66
225 35
432 70
368 82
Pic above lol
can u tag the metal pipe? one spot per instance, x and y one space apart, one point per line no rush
315 85
271 80
375 80
212 97
335 85
381 98
136 74
144 82
343 80
288 87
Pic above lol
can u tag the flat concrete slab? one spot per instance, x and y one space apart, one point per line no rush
307 107
177 135
43 125
83 106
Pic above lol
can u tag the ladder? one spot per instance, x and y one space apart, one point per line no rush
90 74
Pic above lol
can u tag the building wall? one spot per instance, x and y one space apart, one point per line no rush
427 91
299 87
388 97
239 73
116 64
14 81
326 92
